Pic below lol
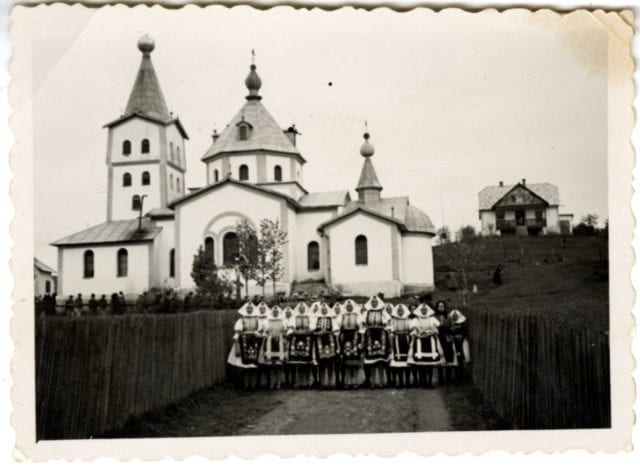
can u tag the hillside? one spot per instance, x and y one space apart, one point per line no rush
564 277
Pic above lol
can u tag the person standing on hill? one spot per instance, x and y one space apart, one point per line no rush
497 276
445 371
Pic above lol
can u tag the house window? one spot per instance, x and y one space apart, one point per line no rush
123 262
500 215
47 287
244 173
313 256
277 173
361 250
126 179
126 148
208 249
144 146
146 178
216 176
230 247
136 203
539 216
172 262
88 264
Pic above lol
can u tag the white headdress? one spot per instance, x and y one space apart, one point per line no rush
276 312
457 317
350 306
287 312
401 311
315 308
337 308
389 309
248 310
374 303
325 310
424 310
301 309
263 310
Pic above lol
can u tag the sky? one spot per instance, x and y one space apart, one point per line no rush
454 101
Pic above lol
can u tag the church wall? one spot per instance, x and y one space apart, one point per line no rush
122 195
162 245
237 160
417 256
105 279
135 130
174 190
307 231
174 137
377 275
211 168
216 213
290 168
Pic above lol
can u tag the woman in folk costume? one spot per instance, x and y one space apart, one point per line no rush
300 350
350 345
458 326
400 330
376 342
326 346
274 347
287 314
449 359
425 352
246 346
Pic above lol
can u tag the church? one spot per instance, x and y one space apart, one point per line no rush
154 226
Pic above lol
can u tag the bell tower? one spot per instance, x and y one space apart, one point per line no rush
145 148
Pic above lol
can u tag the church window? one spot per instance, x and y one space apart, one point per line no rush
88 264
244 173
171 181
136 203
216 176
126 148
230 247
178 184
123 262
178 155
277 173
208 249
243 132
171 151
172 262
126 179
146 178
362 257
144 147
313 256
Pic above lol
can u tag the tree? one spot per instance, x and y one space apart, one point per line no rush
590 220
210 288
466 232
248 249
443 235
272 238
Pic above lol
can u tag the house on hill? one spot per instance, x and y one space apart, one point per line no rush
522 209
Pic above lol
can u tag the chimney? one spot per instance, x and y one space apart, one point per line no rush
524 182
291 133
501 183
215 135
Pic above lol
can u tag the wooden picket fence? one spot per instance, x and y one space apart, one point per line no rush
94 373
539 375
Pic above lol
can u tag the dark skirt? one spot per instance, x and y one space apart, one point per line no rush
249 348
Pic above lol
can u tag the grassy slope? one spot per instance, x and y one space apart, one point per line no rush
536 280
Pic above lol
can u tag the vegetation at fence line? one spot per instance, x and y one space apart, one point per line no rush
211 289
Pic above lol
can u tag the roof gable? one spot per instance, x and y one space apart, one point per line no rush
520 195
490 195
364 210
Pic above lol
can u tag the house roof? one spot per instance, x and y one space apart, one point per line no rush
230 180
40 266
117 231
325 199
408 218
490 195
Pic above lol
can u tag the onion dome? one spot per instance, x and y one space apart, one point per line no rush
253 83
366 150
146 44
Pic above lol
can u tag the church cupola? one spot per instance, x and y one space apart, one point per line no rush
369 187
253 83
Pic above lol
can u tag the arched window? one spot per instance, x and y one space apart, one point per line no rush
244 173
313 256
208 249
216 176
277 173
172 262
126 179
229 247
144 146
171 151
136 203
243 132
178 184
362 257
123 262
178 154
88 264
171 181
146 178
126 148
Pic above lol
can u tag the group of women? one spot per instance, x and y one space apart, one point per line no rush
347 345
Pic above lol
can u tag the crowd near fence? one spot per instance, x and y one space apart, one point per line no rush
537 375
94 373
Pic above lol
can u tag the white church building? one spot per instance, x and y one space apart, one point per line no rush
254 171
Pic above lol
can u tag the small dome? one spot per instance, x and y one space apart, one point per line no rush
366 150
416 220
253 81
146 44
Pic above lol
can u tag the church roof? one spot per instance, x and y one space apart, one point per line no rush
490 195
117 231
40 266
395 209
324 199
146 99
368 178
